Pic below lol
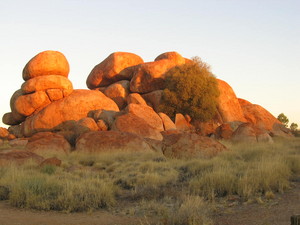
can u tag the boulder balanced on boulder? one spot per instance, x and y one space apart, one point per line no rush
46 81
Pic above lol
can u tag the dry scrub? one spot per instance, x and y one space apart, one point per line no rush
164 191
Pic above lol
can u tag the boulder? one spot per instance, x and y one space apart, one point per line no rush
3 132
224 131
56 94
111 141
88 123
74 107
150 76
53 161
18 157
16 130
248 132
102 125
46 63
117 66
229 106
167 122
118 92
172 56
132 123
181 123
153 99
108 116
48 142
147 114
190 145
28 104
43 83
135 98
259 116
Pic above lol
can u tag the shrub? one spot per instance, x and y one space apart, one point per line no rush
283 119
191 89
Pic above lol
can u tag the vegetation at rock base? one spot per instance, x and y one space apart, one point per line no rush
283 119
191 89
162 190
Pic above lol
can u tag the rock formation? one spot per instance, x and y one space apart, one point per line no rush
122 110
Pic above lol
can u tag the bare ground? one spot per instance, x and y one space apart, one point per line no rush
275 212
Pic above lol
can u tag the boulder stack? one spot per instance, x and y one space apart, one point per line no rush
46 80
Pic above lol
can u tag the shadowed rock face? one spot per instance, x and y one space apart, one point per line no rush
190 145
46 63
74 107
116 67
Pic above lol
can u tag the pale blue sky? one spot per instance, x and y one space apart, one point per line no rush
253 45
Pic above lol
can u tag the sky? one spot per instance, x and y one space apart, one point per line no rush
252 45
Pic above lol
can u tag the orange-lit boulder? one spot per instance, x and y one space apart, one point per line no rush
229 106
135 98
173 56
259 116
118 92
167 122
28 104
111 141
117 66
181 123
147 114
46 63
74 107
3 132
43 83
150 76
190 145
134 124
88 123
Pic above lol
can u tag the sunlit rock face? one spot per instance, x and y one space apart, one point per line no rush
46 63
117 66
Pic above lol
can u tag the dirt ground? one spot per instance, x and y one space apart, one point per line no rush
276 212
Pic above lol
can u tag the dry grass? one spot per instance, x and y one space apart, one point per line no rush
147 184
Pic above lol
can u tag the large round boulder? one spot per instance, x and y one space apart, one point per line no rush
173 56
46 63
117 66
74 107
111 141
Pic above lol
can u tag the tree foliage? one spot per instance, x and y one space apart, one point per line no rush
283 119
191 89
293 126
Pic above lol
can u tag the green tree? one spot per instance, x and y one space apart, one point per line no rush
283 119
294 126
191 89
